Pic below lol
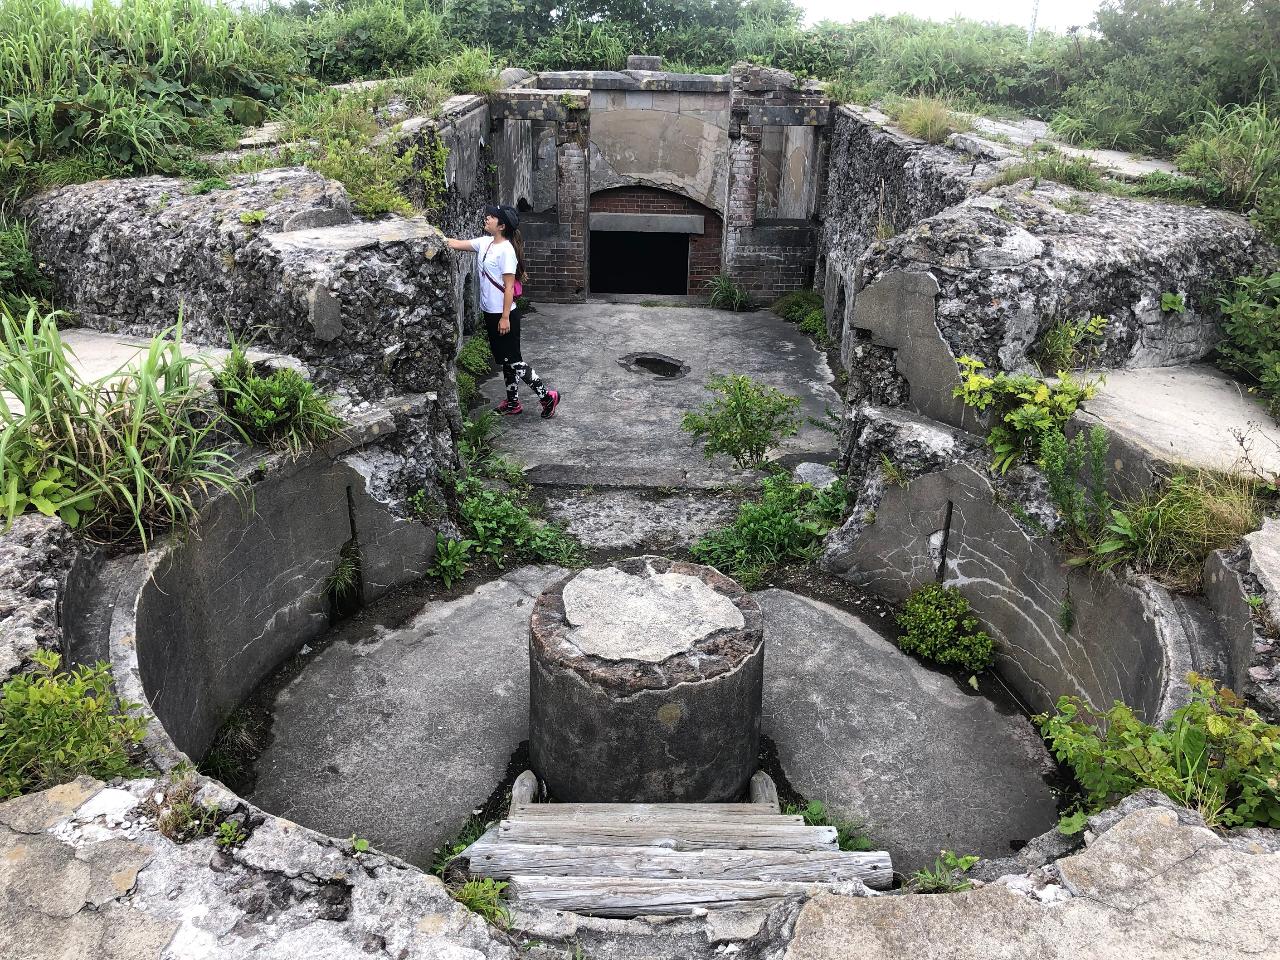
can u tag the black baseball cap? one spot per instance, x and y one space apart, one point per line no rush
505 215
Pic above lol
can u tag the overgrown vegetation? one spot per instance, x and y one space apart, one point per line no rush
850 834
927 118
1021 409
283 409
125 455
805 309
1071 344
1215 756
485 898
475 361
938 625
1251 334
745 419
724 293
947 875
56 725
786 525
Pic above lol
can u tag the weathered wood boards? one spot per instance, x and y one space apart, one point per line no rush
631 897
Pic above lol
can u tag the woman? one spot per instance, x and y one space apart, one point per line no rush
501 263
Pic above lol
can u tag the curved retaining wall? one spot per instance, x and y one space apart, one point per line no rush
1059 630
193 626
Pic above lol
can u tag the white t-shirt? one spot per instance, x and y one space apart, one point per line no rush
496 259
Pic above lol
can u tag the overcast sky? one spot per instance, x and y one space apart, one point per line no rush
1055 15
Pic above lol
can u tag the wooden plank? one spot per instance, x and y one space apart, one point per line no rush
661 811
764 790
655 817
501 860
695 835
631 898
524 789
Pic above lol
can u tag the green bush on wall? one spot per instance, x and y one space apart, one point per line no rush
938 625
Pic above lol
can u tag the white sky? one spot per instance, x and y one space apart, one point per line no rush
1056 15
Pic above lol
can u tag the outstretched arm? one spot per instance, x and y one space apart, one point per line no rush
458 244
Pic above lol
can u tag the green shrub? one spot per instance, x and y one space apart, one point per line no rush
1022 409
127 454
502 528
937 624
450 564
814 323
785 526
1085 508
725 294
373 176
475 357
18 272
1081 173
744 421
56 726
1214 755
1251 333
283 409
798 304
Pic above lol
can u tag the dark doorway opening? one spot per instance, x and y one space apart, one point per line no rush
626 262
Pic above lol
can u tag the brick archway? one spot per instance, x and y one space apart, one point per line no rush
664 222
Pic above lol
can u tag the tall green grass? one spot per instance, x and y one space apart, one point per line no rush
119 458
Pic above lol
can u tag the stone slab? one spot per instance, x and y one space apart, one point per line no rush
637 521
619 615
396 735
575 349
875 734
649 222
358 236
1182 416
1147 888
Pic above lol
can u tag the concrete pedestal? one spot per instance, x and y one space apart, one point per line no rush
645 684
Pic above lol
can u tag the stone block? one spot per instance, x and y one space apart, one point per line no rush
635 62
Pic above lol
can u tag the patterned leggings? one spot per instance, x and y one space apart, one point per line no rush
506 350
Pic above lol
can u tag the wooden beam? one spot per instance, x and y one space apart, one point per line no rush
664 812
631 898
694 835
502 860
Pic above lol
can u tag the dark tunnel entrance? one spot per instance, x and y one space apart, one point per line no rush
632 262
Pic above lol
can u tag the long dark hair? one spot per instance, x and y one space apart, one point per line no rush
517 243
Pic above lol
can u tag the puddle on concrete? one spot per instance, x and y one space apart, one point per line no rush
658 365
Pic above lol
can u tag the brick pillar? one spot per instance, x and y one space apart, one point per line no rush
740 206
573 187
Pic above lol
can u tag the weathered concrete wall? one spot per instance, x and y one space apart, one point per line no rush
674 140
369 308
470 182
879 183
1058 629
1250 660
1010 263
201 621
35 555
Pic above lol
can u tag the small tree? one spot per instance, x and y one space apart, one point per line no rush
744 421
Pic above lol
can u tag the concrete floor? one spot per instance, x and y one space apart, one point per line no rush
397 735
614 422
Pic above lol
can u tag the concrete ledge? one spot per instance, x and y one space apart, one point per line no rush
543 104
648 222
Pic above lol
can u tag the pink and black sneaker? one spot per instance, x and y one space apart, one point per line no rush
509 408
549 404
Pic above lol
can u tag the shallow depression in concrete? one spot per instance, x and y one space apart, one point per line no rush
398 725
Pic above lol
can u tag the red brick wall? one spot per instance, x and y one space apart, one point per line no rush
704 250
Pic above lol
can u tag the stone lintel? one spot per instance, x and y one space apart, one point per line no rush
801 115
529 104
357 236
648 222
